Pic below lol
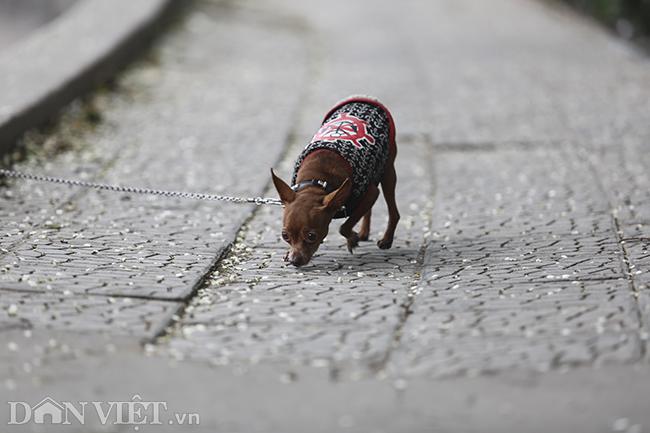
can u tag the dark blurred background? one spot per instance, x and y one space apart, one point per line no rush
629 18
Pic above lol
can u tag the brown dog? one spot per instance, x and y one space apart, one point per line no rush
337 175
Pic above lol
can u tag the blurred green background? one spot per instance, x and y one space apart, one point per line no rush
629 18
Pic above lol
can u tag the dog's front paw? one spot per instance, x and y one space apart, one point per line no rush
353 241
385 244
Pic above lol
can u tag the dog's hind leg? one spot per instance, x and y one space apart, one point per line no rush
388 183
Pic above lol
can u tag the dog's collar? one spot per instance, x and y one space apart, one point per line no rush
341 213
313 182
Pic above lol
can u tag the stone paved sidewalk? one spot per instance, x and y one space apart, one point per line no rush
81 244
519 275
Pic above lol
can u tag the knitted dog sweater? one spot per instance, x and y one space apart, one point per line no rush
362 131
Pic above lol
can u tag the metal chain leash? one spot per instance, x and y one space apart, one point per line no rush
135 190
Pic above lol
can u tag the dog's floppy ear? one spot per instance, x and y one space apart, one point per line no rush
287 195
335 199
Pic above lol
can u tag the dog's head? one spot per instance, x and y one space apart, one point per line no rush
307 216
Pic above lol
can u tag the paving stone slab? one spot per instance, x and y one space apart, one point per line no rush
162 129
70 312
489 279
510 84
477 355
519 191
528 320
338 310
364 58
483 296
526 260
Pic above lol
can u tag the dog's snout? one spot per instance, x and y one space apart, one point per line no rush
297 258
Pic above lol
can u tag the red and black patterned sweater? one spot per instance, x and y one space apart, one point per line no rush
362 131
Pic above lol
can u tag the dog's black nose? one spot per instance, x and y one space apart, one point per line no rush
298 259
297 262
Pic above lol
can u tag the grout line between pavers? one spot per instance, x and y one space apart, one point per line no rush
546 281
406 306
94 295
624 259
164 329
492 146
290 139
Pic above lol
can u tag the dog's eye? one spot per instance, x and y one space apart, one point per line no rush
285 236
311 237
